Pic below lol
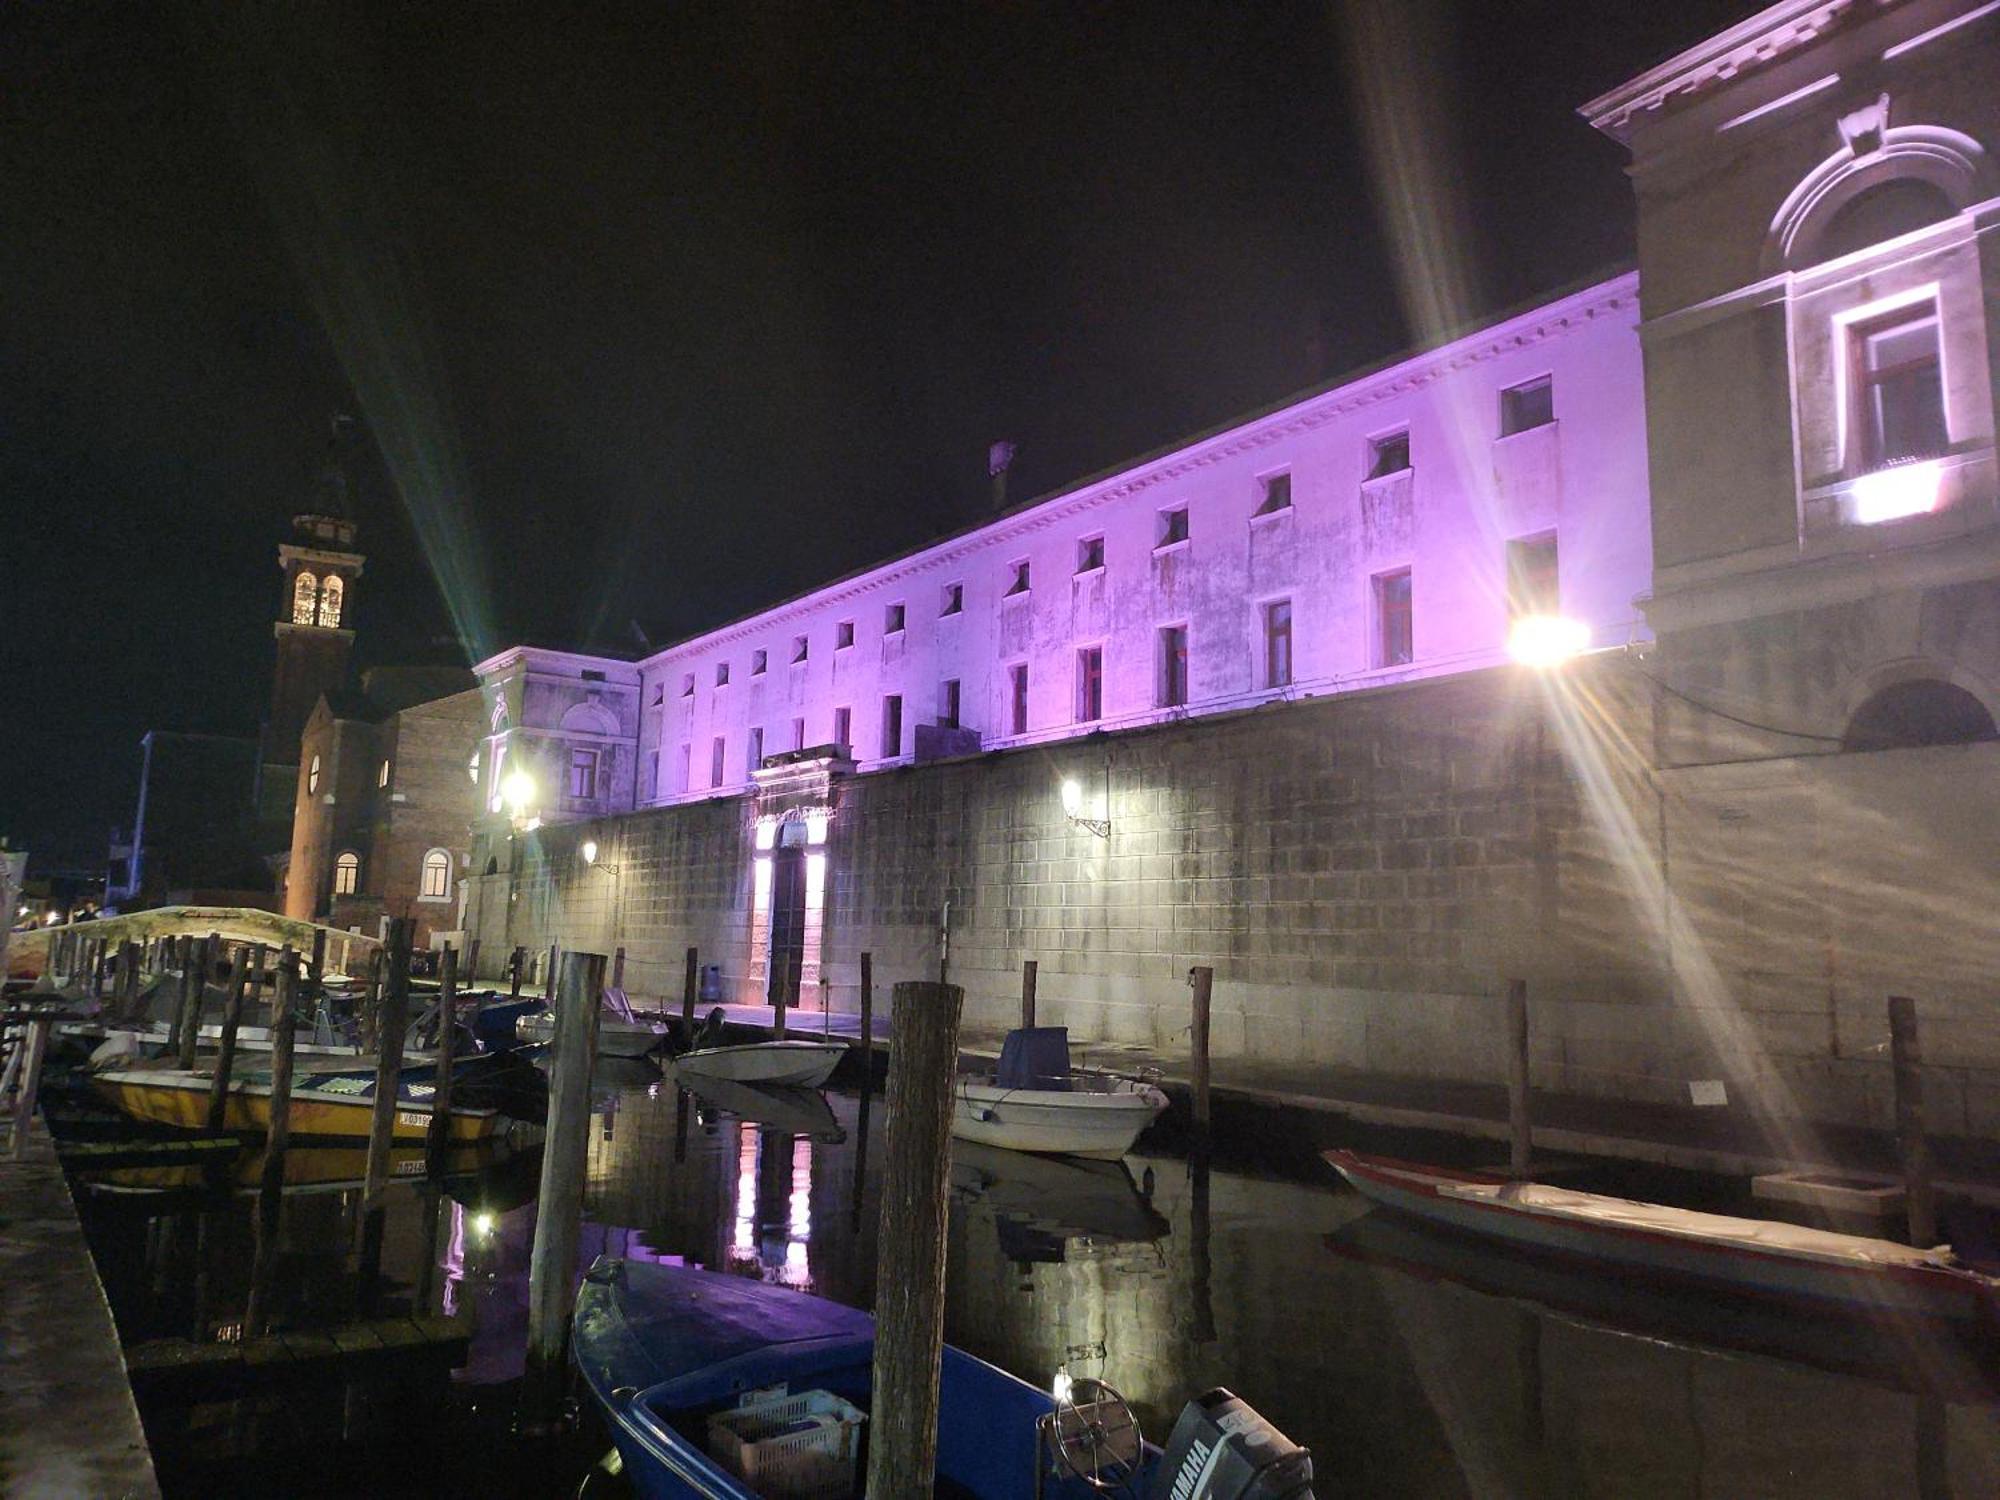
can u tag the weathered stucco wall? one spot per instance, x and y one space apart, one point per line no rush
1363 872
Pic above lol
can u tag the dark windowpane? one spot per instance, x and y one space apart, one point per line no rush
1018 691
1278 644
1391 455
1395 645
1901 391
1525 406
1173 667
1089 685
1173 526
1277 494
1090 554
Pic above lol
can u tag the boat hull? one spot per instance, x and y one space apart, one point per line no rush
615 1038
1096 1126
1706 1257
796 1061
180 1100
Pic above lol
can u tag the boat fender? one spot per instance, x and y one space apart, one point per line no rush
982 1114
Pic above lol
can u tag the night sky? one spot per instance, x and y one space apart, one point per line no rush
659 313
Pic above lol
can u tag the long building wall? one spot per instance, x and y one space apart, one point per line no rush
1363 873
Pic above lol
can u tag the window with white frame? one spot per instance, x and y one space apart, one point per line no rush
436 880
346 873
1898 387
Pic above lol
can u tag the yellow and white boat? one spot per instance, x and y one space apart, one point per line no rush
323 1104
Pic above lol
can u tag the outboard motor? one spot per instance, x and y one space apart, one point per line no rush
1221 1449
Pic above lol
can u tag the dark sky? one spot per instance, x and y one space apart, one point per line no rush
666 311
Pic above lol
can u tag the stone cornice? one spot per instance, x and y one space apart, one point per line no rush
1746 47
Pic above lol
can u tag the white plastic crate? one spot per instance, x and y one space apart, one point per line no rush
801 1447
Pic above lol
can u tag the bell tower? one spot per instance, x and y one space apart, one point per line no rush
314 639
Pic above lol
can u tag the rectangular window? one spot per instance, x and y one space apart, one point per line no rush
1277 494
1530 404
798 648
687 684
755 757
892 619
892 725
1017 698
591 674
1395 634
718 756
798 734
659 694
1173 526
954 599
1389 454
1278 643
843 635
652 774
1090 684
1017 579
722 674
1899 387
1533 580
843 729
684 772
1090 554
382 776
948 703
1173 667
758 661
583 775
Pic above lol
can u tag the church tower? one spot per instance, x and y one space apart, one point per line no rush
314 639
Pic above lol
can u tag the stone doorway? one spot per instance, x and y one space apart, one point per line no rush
786 959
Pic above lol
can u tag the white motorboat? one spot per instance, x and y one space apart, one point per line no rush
620 1032
794 1060
1034 1101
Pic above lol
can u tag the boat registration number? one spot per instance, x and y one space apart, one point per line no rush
410 1117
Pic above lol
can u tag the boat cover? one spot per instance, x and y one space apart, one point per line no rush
1034 1057
1721 1229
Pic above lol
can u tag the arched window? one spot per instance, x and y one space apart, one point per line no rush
329 600
305 595
312 777
346 872
1907 715
1881 213
436 884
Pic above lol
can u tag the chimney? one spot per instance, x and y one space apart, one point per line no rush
998 459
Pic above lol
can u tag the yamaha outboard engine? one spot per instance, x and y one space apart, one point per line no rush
1222 1450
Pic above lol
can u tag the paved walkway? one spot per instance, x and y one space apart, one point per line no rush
68 1425
1728 1141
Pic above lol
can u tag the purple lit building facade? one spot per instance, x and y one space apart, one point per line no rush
1250 702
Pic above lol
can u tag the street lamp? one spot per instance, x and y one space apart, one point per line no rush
1545 641
1072 805
517 790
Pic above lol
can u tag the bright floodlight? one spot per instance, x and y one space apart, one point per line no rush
1900 490
54 917
589 851
482 1225
1072 798
1060 1386
518 791
1546 640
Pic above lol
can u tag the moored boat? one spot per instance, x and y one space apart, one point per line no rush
338 1104
1756 1256
685 1364
790 1060
615 1037
1035 1101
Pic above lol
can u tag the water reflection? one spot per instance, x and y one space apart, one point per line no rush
1410 1364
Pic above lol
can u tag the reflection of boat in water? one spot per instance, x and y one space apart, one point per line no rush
776 1106
307 1169
1685 1316
1754 1256
1067 1197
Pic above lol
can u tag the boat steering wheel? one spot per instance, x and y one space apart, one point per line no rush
1096 1437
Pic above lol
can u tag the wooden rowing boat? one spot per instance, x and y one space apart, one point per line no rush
338 1104
1755 1256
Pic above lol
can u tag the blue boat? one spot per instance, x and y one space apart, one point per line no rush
666 1351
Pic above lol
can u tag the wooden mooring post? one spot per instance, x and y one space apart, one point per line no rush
549 983
867 1024
392 1019
618 969
187 1019
286 995
1202 979
1906 1060
690 985
558 1222
1520 1128
1030 970
910 1261
469 970
440 1131
225 1051
27 1070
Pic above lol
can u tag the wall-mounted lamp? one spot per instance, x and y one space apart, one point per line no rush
1545 641
1072 805
588 849
517 790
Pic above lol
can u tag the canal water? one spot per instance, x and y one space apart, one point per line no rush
1410 1365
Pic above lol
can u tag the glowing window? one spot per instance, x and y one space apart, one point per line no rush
312 777
329 601
346 873
1898 386
436 885
305 598
382 775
